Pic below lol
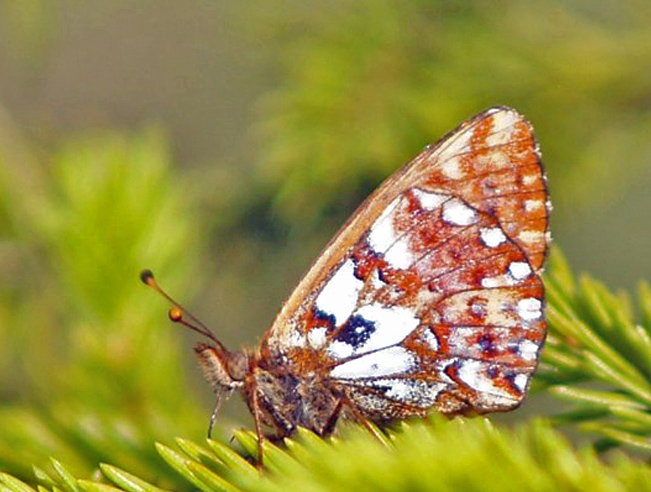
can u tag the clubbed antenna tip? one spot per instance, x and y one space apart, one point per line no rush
178 313
147 277
175 314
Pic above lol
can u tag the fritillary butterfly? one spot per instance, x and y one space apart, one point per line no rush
428 298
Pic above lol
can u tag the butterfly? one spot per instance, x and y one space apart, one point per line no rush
428 298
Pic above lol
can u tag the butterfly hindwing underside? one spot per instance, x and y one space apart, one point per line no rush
430 297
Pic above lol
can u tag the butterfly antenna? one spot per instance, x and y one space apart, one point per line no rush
178 313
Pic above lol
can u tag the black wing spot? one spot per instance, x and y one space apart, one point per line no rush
356 331
328 319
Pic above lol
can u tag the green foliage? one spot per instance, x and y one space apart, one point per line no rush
367 84
598 356
89 374
96 372
421 455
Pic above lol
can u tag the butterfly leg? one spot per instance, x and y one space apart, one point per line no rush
220 394
329 426
257 417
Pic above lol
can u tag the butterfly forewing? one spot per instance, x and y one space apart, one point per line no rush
493 162
430 296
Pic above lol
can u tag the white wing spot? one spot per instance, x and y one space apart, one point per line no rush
471 372
531 205
382 234
376 281
340 293
400 390
451 168
391 360
503 129
340 350
491 282
527 349
431 339
478 308
521 381
456 212
398 255
412 392
392 325
428 200
519 270
530 308
529 179
317 337
492 237
296 339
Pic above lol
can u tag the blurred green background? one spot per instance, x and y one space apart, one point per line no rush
221 144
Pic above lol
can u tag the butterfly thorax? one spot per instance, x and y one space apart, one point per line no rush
289 399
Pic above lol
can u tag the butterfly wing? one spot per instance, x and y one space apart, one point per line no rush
430 295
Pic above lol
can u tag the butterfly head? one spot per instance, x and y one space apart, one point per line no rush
224 370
